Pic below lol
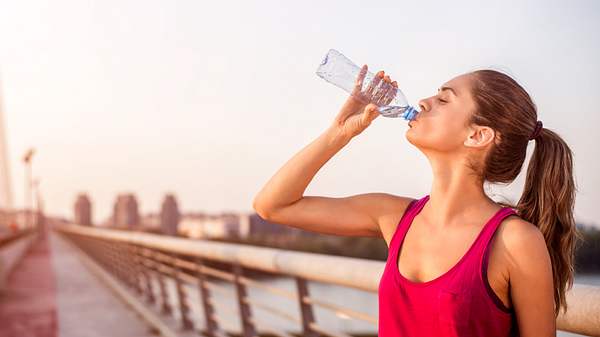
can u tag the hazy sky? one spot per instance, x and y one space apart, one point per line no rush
208 99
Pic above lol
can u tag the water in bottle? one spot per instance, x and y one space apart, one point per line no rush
340 71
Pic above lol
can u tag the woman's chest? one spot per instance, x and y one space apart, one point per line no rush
424 256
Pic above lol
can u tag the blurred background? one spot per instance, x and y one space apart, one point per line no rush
169 116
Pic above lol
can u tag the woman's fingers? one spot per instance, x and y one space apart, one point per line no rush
361 77
373 84
357 91
369 115
390 94
382 89
393 93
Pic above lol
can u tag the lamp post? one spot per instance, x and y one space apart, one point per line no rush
28 186
37 209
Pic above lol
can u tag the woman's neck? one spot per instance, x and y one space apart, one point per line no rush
456 196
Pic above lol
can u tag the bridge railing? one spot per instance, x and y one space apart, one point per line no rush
143 260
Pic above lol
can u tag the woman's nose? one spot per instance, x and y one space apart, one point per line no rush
423 104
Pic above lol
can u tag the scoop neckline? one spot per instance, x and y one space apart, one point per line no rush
400 278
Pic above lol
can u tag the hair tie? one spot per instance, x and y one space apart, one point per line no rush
536 130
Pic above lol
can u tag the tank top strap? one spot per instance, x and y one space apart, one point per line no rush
489 230
417 205
411 211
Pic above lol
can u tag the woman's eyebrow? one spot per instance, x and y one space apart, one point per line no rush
448 88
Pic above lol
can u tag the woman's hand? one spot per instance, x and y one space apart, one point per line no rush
360 109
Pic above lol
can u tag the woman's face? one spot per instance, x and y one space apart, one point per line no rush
441 125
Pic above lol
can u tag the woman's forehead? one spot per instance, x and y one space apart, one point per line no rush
458 82
459 85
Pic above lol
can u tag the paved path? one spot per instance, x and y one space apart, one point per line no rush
52 294
28 306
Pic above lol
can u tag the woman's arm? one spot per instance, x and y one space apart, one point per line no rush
531 282
282 201
282 198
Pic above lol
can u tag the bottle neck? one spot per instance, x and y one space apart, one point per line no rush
410 113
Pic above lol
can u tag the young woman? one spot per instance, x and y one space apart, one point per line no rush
459 263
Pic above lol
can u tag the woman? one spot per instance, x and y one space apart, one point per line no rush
459 263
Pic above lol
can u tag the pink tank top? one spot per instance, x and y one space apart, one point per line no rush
460 302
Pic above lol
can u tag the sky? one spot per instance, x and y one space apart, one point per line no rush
207 100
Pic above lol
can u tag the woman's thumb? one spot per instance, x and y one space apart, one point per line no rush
371 112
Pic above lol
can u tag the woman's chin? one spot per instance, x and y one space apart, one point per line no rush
409 135
413 137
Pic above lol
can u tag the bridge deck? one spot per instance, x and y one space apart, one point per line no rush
51 293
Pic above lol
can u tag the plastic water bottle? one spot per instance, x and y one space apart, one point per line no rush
337 69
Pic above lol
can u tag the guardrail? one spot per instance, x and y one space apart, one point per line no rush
141 260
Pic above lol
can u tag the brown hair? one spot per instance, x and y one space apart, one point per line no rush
549 193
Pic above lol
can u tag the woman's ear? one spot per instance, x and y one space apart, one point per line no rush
479 136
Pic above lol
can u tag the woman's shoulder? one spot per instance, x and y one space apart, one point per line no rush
395 207
517 231
523 242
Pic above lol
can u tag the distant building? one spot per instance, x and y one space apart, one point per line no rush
258 227
169 215
231 225
190 225
205 226
83 210
125 212
201 226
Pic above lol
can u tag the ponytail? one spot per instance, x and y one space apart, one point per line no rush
547 201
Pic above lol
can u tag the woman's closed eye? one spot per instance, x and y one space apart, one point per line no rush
441 100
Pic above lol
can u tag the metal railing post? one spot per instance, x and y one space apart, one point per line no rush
120 259
147 273
135 265
212 326
165 307
184 308
306 310
248 328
